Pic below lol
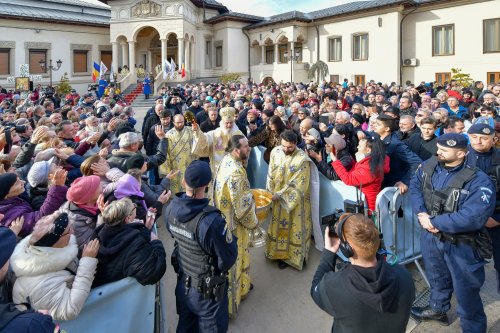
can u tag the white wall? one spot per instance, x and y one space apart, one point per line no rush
383 58
60 36
468 20
383 51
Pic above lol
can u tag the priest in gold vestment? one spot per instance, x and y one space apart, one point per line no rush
179 153
288 178
232 196
214 143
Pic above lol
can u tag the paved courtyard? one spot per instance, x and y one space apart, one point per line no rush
281 301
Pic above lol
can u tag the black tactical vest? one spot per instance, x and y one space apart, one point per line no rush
193 260
494 174
443 201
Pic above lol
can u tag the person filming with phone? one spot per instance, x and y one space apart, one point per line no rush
369 295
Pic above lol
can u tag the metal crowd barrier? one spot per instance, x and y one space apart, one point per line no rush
400 228
122 306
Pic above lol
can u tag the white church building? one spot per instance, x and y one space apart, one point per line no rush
384 40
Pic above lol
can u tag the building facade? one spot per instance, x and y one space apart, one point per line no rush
71 31
384 40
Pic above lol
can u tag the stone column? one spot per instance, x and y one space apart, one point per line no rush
114 61
124 54
149 66
163 51
263 55
131 55
291 52
275 53
180 51
188 56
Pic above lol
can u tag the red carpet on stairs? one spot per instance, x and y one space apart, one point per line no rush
130 97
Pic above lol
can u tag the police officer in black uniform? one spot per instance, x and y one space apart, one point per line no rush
202 255
453 202
484 155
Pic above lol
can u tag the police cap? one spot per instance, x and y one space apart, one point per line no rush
453 140
481 128
198 174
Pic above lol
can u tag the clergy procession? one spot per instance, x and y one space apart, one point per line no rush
219 170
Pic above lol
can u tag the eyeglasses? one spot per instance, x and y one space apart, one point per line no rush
135 207
420 115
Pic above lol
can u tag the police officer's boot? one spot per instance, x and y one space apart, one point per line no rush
428 314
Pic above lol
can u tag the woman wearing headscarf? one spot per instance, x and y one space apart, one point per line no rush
82 208
38 178
49 276
129 186
128 247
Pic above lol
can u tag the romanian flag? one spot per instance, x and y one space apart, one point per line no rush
95 72
183 71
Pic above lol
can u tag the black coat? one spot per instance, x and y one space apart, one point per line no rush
376 300
327 169
152 141
148 124
207 125
424 149
127 250
404 162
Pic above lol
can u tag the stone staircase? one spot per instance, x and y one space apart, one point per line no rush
132 92
141 102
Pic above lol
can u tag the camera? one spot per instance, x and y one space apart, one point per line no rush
331 221
92 87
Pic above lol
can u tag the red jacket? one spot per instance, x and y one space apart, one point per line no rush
360 175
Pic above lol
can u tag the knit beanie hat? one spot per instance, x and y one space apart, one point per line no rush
135 161
83 189
7 244
39 173
7 180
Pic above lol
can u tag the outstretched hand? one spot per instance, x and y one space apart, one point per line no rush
91 249
59 177
17 225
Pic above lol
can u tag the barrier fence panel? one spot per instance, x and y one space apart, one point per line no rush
124 306
400 227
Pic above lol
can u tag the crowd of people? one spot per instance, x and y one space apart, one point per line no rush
81 188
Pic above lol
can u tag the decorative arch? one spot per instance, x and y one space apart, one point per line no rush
179 10
140 29
300 38
268 41
172 35
255 43
120 38
281 39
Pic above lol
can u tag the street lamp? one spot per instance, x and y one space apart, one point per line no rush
292 55
50 68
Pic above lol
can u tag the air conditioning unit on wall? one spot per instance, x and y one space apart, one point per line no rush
411 62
